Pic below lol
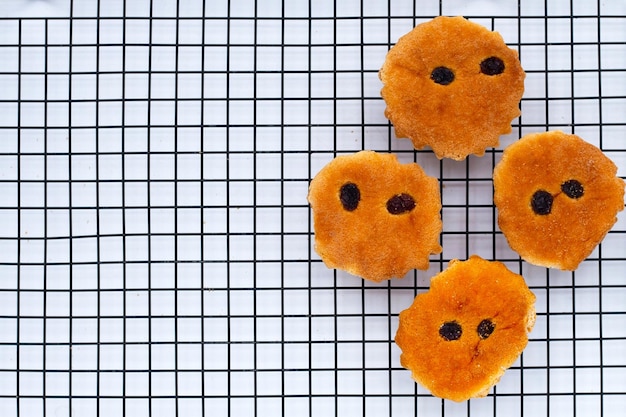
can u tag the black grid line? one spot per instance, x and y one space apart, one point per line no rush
156 245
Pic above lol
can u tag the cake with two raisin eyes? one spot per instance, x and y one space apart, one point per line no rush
557 197
375 217
459 338
453 85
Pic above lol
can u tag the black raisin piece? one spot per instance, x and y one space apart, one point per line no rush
542 202
400 203
485 328
492 66
442 75
573 189
450 330
350 196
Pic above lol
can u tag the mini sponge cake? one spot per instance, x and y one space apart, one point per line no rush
375 217
557 197
453 85
458 338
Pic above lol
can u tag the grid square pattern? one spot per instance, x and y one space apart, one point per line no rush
156 244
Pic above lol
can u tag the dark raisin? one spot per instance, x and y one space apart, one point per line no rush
492 66
573 189
350 196
442 75
485 328
450 330
542 202
400 203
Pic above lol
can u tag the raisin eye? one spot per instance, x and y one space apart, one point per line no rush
442 75
573 189
400 203
542 202
350 196
450 330
492 66
485 328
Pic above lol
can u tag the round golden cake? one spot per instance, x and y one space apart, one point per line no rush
375 217
557 197
453 85
459 338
